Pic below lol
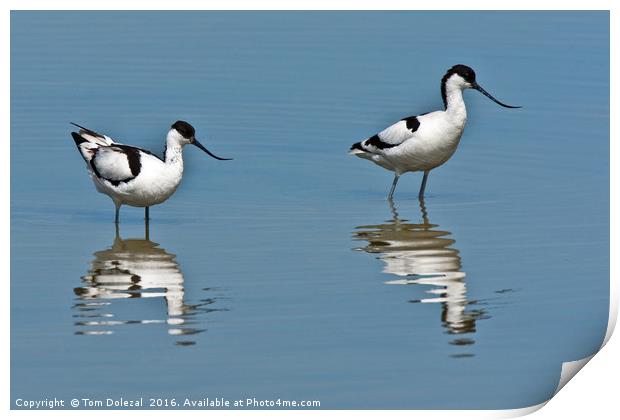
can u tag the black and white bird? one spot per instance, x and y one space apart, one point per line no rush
134 176
426 141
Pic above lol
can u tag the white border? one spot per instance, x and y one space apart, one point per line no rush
595 391
308 5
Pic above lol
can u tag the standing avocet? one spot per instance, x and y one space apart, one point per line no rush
426 141
133 176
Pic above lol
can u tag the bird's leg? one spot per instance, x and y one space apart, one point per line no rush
146 229
146 223
423 186
391 194
118 207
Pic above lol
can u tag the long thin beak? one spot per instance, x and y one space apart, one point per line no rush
488 95
200 146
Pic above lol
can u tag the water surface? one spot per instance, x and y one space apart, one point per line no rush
285 273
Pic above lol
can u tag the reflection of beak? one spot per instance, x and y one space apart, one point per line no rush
200 146
476 86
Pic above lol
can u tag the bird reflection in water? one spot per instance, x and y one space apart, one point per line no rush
423 254
137 269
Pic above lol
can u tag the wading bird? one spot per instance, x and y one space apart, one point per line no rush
134 176
425 141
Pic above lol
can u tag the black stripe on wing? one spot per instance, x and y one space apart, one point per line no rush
78 139
412 123
392 136
357 146
149 153
374 141
133 159
378 143
83 130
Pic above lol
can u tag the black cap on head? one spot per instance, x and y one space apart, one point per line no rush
185 129
462 70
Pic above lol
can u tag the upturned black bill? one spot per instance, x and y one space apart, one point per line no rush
488 95
200 146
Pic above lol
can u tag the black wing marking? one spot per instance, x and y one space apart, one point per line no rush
78 139
412 123
107 141
392 136
376 141
116 164
133 157
148 152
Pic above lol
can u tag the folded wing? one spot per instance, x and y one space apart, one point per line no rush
116 163
393 136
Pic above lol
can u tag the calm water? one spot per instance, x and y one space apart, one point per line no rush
285 273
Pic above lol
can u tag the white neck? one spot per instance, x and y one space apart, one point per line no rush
455 105
174 153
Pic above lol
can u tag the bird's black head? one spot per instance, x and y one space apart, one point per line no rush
189 135
469 77
462 70
185 129
466 72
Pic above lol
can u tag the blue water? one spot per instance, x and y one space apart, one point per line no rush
271 276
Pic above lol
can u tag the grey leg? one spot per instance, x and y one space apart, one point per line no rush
118 207
423 186
146 223
391 194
